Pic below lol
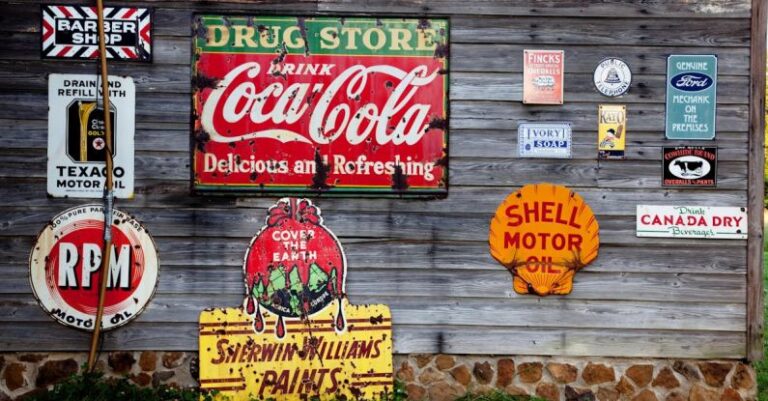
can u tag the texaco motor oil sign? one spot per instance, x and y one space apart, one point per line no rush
296 336
77 135
65 268
289 104
543 234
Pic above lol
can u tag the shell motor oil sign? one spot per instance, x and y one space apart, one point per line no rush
290 104
65 268
296 336
543 234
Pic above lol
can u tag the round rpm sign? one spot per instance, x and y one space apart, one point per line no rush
612 77
65 268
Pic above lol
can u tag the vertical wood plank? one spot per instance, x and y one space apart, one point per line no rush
756 184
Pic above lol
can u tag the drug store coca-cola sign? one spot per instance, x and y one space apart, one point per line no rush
290 104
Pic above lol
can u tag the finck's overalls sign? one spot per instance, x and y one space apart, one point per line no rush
288 104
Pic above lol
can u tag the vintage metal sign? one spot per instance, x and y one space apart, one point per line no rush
65 268
71 32
689 166
77 135
612 77
338 105
543 76
296 336
544 140
612 131
691 96
543 234
692 222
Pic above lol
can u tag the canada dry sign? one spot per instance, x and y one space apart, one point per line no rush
65 268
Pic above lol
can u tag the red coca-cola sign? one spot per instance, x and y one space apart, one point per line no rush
287 104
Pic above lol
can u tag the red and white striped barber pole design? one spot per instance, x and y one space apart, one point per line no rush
71 32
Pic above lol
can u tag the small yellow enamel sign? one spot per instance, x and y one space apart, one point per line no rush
612 131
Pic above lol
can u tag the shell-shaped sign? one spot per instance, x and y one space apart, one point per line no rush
543 234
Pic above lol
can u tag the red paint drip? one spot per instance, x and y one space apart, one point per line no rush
340 323
249 306
280 328
258 321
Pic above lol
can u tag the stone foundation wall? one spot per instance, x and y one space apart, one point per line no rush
437 377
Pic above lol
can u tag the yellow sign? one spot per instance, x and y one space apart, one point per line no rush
313 359
612 130
543 234
296 336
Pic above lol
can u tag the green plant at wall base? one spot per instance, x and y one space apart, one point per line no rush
498 396
95 387
761 368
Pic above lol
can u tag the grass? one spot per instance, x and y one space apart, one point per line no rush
761 368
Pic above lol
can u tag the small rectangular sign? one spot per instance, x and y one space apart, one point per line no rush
543 76
612 131
77 135
544 140
71 32
689 166
692 222
285 104
691 96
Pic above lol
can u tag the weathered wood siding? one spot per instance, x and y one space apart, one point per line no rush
427 259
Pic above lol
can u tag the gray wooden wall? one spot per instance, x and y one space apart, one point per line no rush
428 260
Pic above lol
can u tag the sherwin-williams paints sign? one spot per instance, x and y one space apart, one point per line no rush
543 234
691 96
692 222
296 336
289 104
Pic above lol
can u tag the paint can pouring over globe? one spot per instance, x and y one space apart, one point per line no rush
294 267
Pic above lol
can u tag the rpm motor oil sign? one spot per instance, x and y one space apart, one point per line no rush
287 104
296 336
65 268
77 135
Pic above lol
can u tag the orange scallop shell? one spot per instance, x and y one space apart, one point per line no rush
543 234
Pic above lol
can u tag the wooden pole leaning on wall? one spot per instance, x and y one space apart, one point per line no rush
108 194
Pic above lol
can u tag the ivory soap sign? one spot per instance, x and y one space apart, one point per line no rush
691 96
296 335
544 140
77 135
692 222
543 234
320 104
65 268
543 76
